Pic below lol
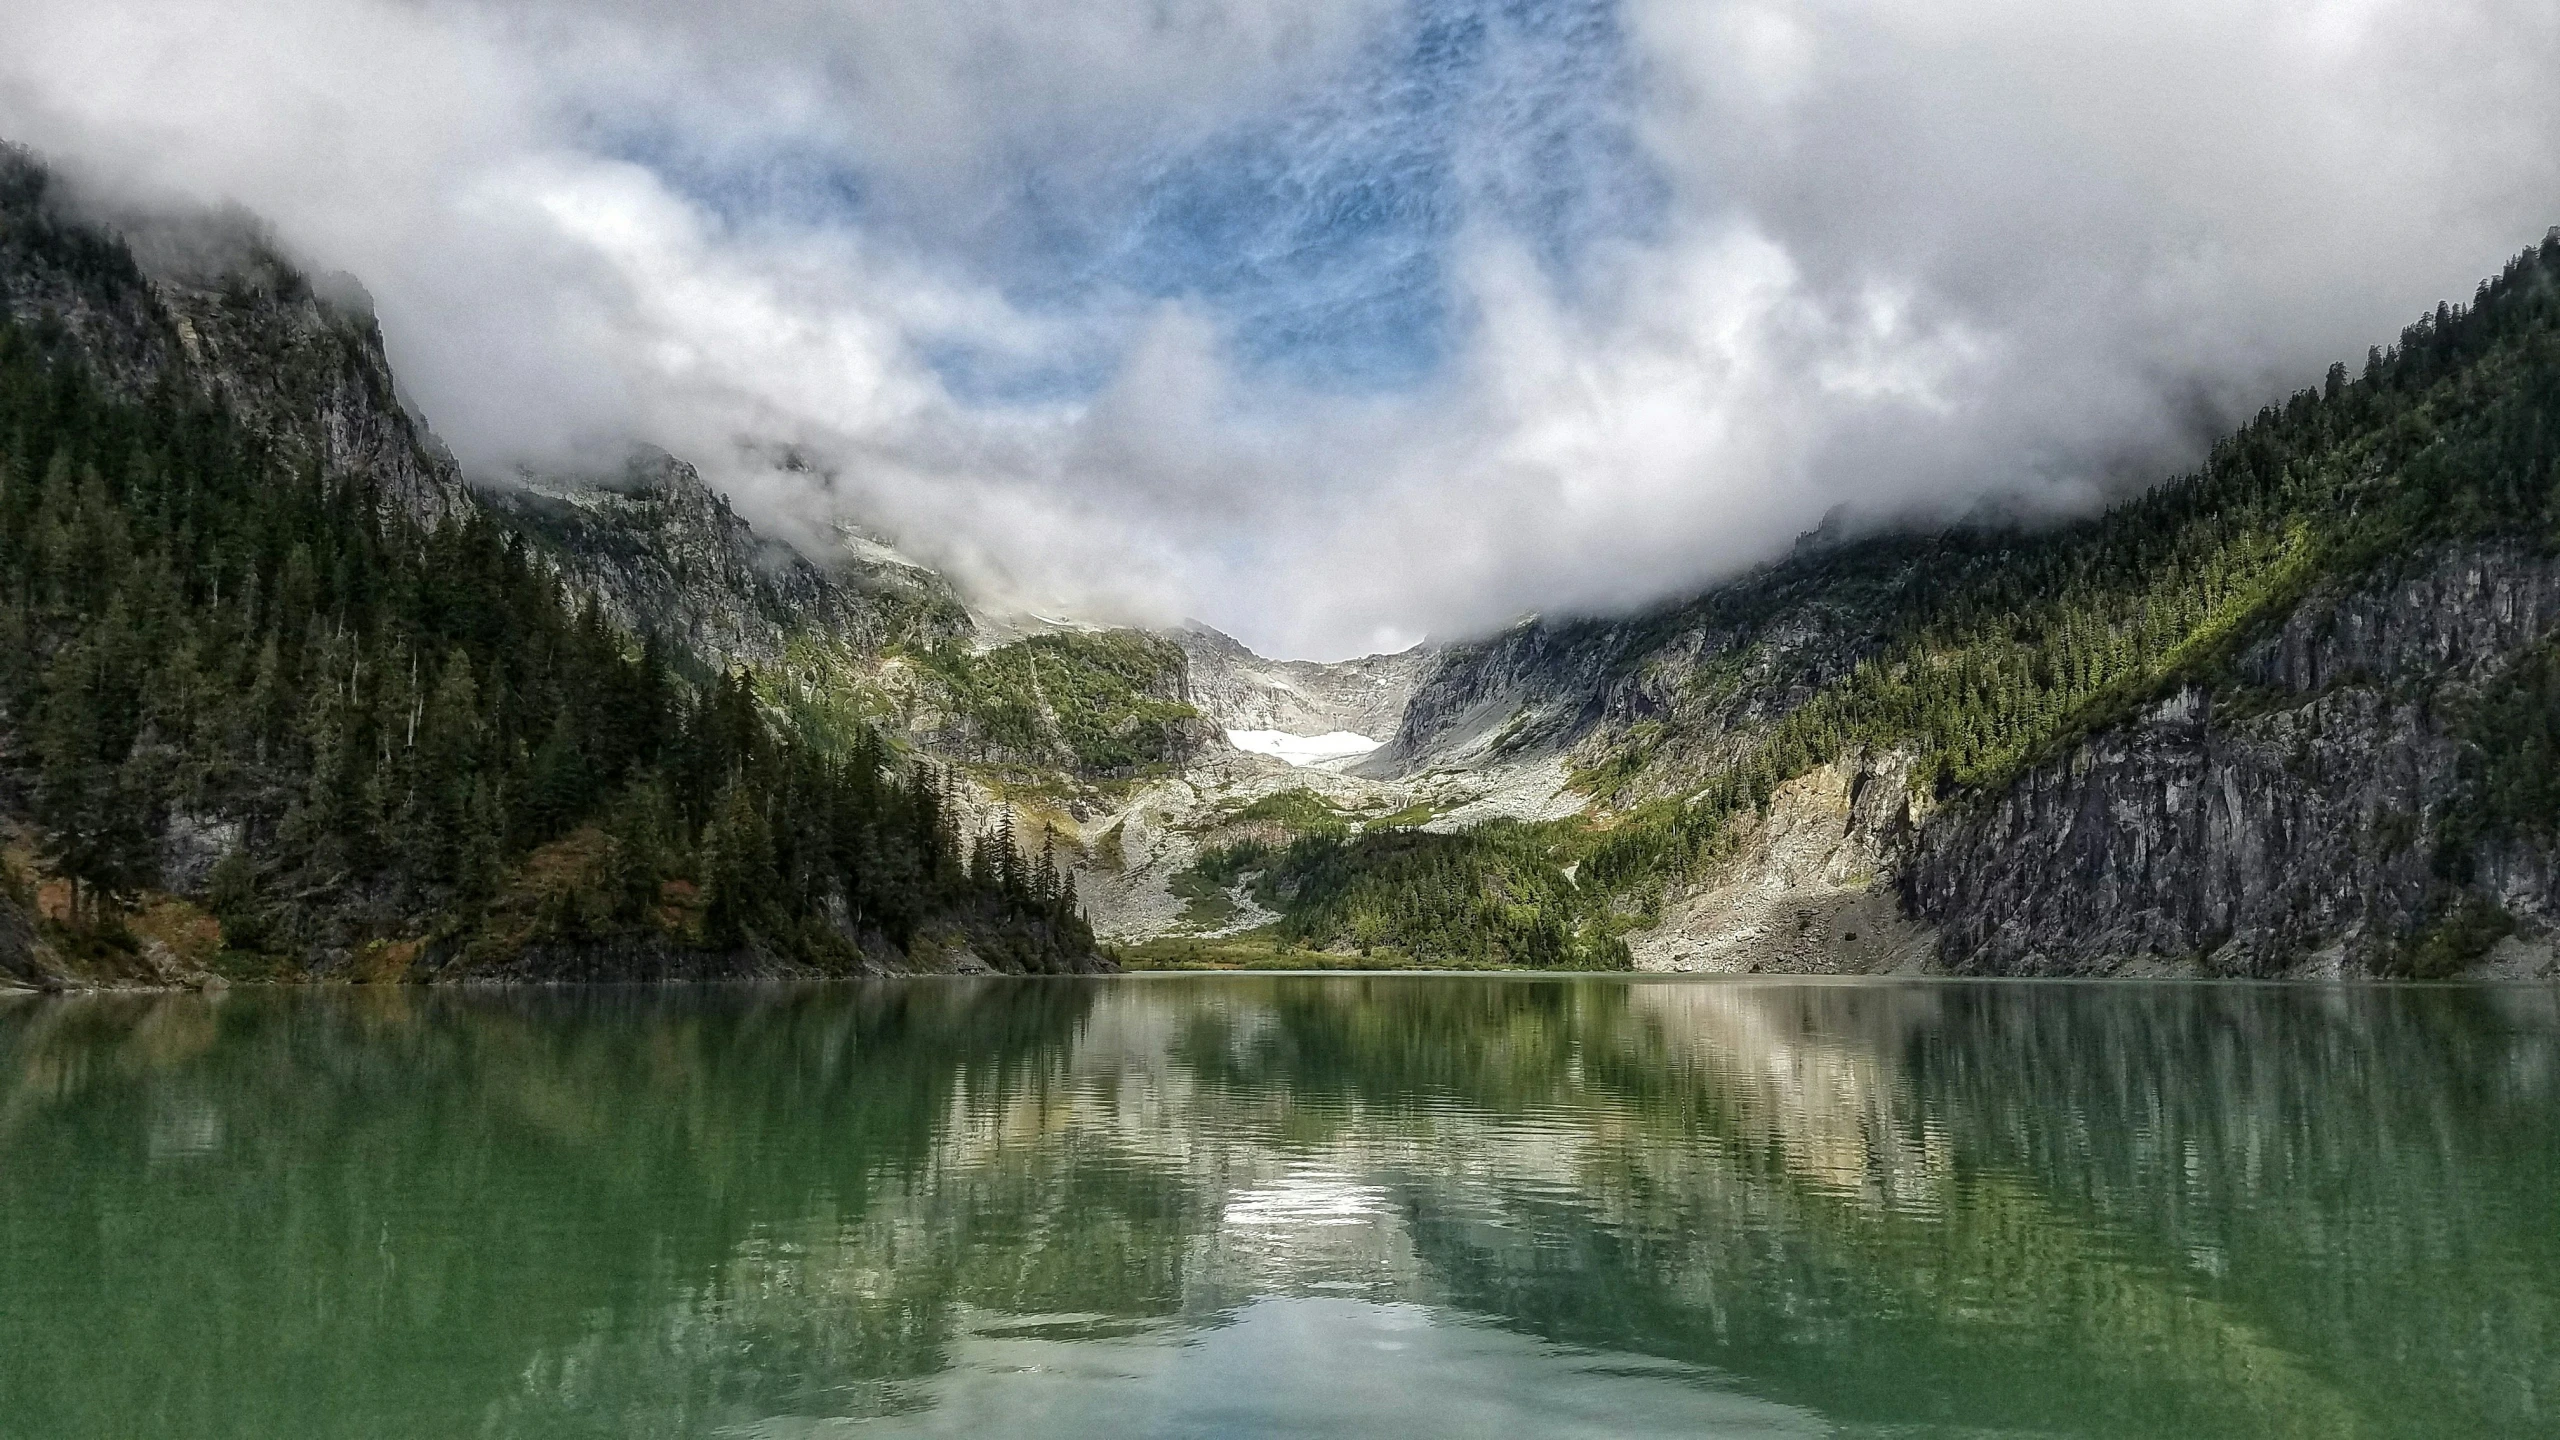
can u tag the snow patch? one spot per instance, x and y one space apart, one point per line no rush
1302 749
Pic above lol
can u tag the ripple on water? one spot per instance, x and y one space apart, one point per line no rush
1251 1205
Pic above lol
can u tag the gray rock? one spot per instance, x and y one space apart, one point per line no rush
1243 691
191 845
659 550
2303 822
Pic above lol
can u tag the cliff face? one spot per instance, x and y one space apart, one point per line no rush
658 550
205 305
2309 814
2313 806
60 274
1534 685
1243 691
1810 886
309 373
2310 805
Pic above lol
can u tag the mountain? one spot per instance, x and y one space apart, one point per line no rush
659 551
2291 714
281 698
205 307
1240 690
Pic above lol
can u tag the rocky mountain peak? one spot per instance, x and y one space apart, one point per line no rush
659 550
1241 690
208 302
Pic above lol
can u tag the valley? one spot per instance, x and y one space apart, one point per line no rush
2289 714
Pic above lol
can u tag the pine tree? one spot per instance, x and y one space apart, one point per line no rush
394 712
561 788
95 823
739 878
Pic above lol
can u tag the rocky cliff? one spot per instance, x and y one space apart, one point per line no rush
2312 807
659 551
2293 714
1664 692
206 305
1243 691
2312 812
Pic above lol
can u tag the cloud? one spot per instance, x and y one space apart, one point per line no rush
1338 322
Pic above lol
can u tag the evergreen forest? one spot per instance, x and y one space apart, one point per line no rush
410 750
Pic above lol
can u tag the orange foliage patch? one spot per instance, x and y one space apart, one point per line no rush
387 962
191 935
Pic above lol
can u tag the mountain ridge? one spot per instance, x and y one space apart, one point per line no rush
2283 715
281 700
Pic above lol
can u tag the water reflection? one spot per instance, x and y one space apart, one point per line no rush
1426 1205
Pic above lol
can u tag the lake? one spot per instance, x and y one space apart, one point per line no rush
1268 1205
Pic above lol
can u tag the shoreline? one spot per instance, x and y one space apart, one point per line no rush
11 992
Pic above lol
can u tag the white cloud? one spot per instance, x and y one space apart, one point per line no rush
1906 257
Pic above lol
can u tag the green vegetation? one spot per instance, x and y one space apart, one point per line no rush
1102 702
825 689
1268 948
1109 853
1207 905
1983 651
2458 937
2514 777
1497 895
1297 811
417 736
1411 817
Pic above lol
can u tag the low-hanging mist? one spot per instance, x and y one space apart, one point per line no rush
1338 323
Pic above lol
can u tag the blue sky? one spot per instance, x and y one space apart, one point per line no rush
1318 235
1321 236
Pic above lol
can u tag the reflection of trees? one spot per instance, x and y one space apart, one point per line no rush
2364 1173
2095 1210
1501 1044
392 1166
1979 1206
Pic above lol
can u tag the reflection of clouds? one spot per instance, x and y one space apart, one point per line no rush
1307 1195
983 1195
1305 1178
1316 1365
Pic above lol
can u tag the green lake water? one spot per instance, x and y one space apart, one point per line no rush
1269 1205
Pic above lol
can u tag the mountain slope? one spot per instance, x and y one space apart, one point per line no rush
1243 691
205 307
660 552
260 719
2272 716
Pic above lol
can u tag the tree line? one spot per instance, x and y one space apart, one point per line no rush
389 731
1996 647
